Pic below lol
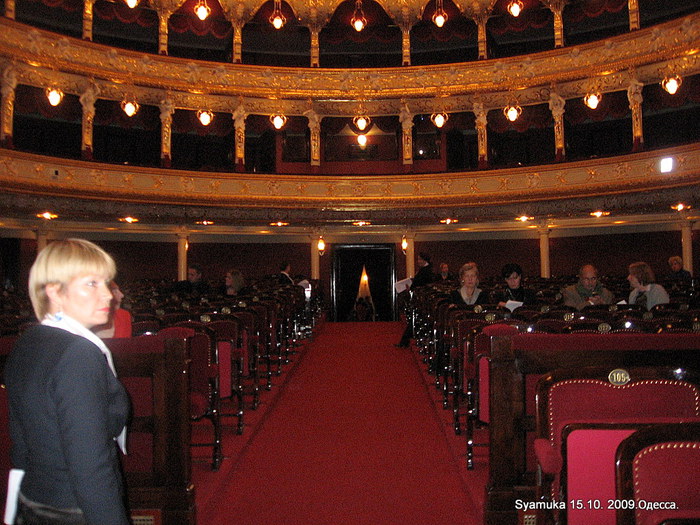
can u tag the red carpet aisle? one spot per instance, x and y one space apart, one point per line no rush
353 437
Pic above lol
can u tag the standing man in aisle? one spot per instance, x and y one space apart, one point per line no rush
423 276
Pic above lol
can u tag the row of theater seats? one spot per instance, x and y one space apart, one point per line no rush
587 424
184 367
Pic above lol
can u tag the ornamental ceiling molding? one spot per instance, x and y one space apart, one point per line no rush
18 211
647 55
25 173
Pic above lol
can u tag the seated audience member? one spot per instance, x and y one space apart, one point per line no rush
119 324
195 283
588 291
645 291
677 272
469 292
514 291
233 282
445 274
284 276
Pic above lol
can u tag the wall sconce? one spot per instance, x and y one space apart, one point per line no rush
131 4
439 118
129 219
439 16
202 10
129 106
680 207
205 117
671 84
47 215
278 120
321 245
277 19
55 95
524 218
515 7
404 244
512 112
362 140
600 213
592 100
358 20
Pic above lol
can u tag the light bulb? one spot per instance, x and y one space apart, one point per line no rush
54 95
592 100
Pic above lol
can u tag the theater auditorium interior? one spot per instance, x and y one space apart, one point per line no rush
351 140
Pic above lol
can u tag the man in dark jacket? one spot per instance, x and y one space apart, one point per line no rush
423 276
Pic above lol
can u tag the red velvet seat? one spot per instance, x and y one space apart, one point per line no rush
231 358
570 396
660 464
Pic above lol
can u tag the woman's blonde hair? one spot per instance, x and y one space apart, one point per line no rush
468 267
59 263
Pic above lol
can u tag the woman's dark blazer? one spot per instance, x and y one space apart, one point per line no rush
66 407
456 297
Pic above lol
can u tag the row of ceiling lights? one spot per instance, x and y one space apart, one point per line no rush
47 215
358 20
512 112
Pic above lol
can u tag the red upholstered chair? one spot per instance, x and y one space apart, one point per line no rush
660 464
572 396
204 383
231 360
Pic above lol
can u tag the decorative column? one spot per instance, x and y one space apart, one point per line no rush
406 119
182 247
633 7
406 46
556 106
544 252
10 9
7 88
87 101
635 98
481 20
687 245
238 42
163 17
239 116
315 259
481 135
315 48
87 19
315 131
166 132
557 8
